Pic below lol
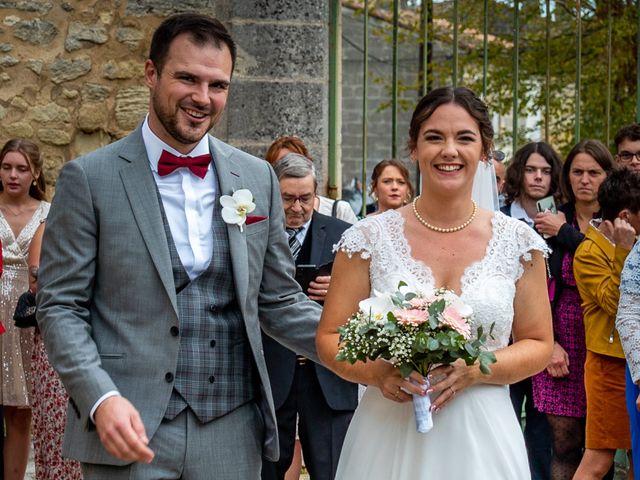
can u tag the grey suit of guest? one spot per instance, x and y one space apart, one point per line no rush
107 298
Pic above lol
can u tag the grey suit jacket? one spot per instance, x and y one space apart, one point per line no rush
107 297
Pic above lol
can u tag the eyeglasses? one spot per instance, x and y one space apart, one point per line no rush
627 157
303 199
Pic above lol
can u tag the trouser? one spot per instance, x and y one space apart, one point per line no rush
634 416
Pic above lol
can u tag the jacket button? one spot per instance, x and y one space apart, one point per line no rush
212 379
212 343
168 377
213 308
174 331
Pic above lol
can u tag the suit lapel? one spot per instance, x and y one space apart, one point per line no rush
141 191
318 236
229 180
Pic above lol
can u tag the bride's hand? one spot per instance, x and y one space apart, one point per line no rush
448 380
393 386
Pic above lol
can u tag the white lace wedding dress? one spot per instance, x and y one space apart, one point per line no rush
477 434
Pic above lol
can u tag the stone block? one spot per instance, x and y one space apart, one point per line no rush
122 70
50 113
35 66
18 130
285 51
63 69
3 112
10 20
79 34
54 136
8 60
281 10
70 94
84 143
94 92
132 105
19 103
92 117
35 32
41 7
52 161
141 8
263 111
5 47
129 36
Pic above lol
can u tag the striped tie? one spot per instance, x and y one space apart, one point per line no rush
294 243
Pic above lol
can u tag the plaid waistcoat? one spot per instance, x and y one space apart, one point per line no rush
215 372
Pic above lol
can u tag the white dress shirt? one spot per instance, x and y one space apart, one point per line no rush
301 234
188 202
517 211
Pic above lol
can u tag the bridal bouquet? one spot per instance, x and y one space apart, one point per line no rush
414 331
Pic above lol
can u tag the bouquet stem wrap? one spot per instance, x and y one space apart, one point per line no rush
422 409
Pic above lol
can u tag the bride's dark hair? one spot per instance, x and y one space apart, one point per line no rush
461 96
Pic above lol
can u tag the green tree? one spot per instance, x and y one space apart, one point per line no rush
533 61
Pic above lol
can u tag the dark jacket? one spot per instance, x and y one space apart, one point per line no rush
566 241
317 249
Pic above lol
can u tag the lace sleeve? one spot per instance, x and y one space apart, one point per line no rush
528 240
360 238
628 318
524 240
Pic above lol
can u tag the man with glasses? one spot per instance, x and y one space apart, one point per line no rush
628 147
323 402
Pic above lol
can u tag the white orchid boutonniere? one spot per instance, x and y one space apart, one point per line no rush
236 207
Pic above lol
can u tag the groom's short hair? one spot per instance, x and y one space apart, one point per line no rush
202 29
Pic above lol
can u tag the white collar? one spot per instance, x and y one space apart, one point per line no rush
517 211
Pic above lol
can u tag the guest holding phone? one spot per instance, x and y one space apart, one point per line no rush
323 402
559 389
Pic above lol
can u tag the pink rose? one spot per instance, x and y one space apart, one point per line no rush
411 316
452 318
419 303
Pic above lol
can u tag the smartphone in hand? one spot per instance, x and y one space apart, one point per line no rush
547 204
306 274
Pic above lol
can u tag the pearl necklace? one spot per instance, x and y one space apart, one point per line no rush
441 229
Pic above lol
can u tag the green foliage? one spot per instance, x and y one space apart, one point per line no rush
533 62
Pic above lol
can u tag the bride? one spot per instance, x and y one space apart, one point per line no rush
493 262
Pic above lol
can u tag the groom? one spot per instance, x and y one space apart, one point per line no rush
151 305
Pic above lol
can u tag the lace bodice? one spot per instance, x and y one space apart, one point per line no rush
628 319
487 285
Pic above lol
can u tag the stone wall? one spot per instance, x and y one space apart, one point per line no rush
71 72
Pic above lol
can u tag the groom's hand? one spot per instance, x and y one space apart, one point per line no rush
121 430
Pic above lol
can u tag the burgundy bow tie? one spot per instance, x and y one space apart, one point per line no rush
169 162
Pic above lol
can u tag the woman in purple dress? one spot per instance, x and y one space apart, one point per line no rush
558 390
